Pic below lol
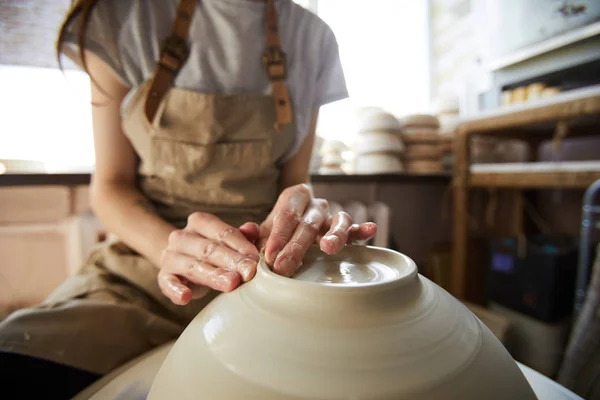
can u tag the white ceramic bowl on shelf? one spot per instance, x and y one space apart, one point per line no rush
377 142
332 147
376 119
377 163
331 170
332 159
420 121
424 166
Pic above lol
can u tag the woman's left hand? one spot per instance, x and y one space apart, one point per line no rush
297 221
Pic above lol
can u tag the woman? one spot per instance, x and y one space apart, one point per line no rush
201 164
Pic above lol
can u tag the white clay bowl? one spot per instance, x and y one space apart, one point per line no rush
376 119
332 147
332 159
377 142
377 163
331 170
359 325
420 121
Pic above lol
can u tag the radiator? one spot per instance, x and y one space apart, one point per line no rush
377 212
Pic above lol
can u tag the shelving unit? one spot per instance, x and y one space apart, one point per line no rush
575 113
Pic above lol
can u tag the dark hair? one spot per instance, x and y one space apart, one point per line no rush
83 9
79 8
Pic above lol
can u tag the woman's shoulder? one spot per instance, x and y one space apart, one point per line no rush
302 19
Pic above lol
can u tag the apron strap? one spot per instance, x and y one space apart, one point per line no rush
275 60
174 53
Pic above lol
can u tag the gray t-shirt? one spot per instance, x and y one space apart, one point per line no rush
227 42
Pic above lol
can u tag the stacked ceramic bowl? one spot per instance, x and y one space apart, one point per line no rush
423 153
446 109
377 147
332 157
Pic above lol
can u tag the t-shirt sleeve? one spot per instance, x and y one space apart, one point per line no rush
331 82
101 36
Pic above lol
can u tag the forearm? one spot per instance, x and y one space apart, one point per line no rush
126 213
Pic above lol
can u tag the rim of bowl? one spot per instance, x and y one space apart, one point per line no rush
407 270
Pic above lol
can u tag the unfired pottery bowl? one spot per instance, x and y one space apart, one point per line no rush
377 142
377 163
373 119
358 325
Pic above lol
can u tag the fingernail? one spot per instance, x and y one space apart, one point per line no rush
274 255
247 268
334 240
286 267
226 279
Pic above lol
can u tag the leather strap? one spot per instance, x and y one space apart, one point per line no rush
275 61
174 53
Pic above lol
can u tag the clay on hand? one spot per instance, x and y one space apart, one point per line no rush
298 221
207 254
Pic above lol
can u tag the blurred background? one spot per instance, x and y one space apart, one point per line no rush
470 136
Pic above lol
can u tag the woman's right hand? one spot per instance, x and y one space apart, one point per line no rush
207 253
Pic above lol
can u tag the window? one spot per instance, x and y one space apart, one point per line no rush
385 56
46 116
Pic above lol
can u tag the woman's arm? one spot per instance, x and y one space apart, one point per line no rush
207 253
296 170
122 209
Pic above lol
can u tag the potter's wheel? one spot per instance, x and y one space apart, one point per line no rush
133 380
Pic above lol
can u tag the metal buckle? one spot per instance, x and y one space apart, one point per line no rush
174 48
275 57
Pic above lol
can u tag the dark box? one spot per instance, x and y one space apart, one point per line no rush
542 283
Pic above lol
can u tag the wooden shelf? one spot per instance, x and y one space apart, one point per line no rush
534 180
382 178
83 178
576 112
582 104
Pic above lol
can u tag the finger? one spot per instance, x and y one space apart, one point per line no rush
363 231
326 226
206 250
173 288
199 272
337 236
211 227
251 231
288 213
292 254
264 233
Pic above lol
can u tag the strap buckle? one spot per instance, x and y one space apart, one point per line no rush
274 60
174 53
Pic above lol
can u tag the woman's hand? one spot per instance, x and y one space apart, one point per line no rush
207 253
297 221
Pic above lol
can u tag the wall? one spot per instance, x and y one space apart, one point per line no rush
418 208
454 45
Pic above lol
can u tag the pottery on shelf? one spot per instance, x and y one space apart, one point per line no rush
358 325
377 163
420 121
332 147
377 142
373 119
424 166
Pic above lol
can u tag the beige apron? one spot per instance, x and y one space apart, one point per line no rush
198 152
